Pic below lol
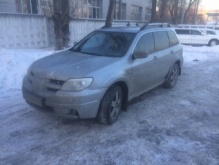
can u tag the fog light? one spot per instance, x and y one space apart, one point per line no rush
73 112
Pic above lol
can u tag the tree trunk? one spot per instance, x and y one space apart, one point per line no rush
61 21
176 13
163 10
191 2
110 14
153 11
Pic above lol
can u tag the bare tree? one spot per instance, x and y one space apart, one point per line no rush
61 21
190 4
163 10
173 8
110 14
153 11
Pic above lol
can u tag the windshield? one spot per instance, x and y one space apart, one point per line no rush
112 44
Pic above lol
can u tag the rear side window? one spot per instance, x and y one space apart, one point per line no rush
183 32
161 40
173 38
211 33
145 43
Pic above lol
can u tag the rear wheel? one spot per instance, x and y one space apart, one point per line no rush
173 77
110 105
213 43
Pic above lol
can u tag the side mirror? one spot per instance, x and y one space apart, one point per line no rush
140 54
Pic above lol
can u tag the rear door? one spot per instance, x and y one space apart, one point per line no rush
165 54
184 35
198 38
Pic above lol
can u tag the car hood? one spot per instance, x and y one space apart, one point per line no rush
68 64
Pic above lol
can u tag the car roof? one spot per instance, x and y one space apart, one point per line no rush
187 29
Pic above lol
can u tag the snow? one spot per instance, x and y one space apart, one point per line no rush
203 53
177 126
14 63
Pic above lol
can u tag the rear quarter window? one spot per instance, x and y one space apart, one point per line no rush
161 40
173 38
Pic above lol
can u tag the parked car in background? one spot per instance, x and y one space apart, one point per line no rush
193 36
210 32
101 73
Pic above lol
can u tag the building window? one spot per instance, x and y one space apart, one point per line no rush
147 14
123 11
24 6
136 13
85 8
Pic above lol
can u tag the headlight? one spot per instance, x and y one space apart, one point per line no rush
77 84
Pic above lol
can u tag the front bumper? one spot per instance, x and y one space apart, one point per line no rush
82 104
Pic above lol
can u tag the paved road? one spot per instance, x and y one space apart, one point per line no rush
177 126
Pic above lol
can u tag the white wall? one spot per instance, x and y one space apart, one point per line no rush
23 31
80 28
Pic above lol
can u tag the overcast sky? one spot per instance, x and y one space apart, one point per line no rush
211 4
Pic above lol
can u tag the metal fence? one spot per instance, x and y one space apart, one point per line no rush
215 27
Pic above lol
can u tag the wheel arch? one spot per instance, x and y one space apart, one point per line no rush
179 64
125 89
213 39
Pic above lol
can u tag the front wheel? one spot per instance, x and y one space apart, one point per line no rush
110 105
213 43
173 77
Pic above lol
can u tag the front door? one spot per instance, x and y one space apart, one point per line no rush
144 70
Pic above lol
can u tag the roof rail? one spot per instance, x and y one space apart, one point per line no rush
155 25
124 23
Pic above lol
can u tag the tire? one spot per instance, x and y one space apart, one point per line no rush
173 77
110 105
213 43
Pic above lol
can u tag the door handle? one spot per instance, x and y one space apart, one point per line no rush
155 58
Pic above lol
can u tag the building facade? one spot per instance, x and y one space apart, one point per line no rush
139 10
26 23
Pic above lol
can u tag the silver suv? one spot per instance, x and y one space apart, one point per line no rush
101 73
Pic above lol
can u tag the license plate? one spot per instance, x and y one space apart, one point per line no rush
33 99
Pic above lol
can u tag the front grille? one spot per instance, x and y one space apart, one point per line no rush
57 82
53 85
52 89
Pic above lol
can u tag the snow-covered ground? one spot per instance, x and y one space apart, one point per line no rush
177 126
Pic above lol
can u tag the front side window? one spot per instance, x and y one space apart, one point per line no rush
145 44
161 40
112 44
